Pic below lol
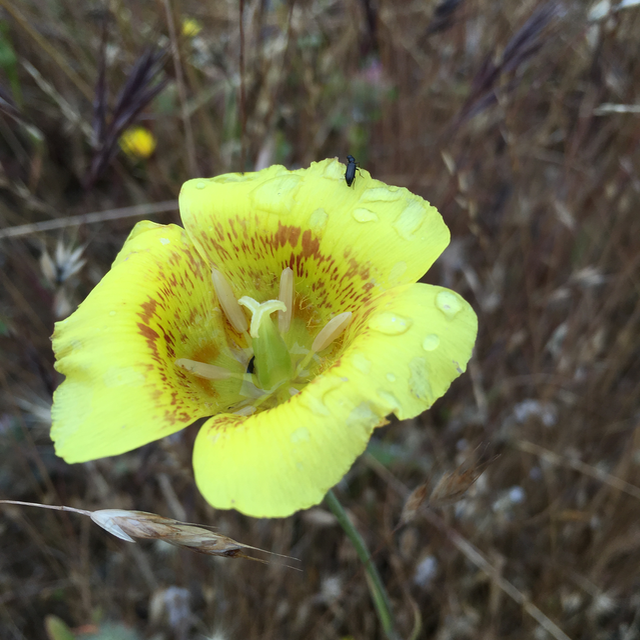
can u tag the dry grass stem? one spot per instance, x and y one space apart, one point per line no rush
136 211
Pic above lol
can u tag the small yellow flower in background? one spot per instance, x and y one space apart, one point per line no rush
287 309
191 27
138 142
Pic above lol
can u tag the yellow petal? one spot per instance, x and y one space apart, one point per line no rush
401 353
344 244
118 350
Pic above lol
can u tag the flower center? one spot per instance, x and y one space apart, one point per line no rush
272 362
280 354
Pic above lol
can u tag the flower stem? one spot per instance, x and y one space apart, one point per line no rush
378 592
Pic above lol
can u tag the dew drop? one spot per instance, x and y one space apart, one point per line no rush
431 342
390 402
318 220
300 435
201 185
313 403
112 313
390 324
410 220
362 417
165 241
391 377
381 194
276 195
364 215
361 363
448 303
418 380
398 270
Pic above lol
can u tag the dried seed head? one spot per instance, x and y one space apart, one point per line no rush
453 485
128 525
413 504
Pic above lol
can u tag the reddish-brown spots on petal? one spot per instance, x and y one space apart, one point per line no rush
288 234
310 245
148 310
149 334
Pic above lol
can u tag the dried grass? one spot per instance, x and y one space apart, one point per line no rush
537 176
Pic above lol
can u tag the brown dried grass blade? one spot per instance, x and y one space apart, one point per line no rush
141 525
443 17
524 44
449 489
138 91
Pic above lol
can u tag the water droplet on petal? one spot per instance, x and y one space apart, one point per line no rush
398 270
390 402
201 185
300 435
409 221
112 313
431 342
418 380
449 303
381 194
363 417
390 324
361 363
312 402
165 241
364 215
391 377
318 220
276 195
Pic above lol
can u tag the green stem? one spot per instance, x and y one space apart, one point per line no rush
378 592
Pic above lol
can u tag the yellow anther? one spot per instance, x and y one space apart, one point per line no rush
202 370
228 302
331 331
287 288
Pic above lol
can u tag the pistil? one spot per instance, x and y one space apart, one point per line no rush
272 359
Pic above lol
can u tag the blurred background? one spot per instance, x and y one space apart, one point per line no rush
520 122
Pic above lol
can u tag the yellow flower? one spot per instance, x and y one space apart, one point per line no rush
191 27
287 309
138 142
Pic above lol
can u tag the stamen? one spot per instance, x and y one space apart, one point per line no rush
331 331
202 370
285 296
259 310
228 302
